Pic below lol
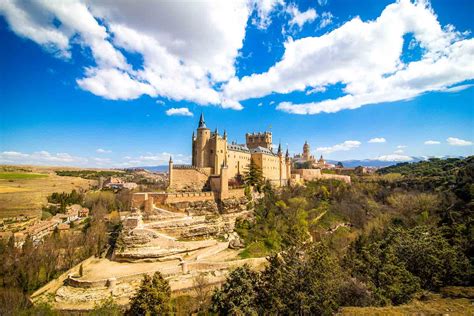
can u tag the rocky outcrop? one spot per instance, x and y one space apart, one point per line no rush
233 205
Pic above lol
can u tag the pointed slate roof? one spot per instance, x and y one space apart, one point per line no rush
202 124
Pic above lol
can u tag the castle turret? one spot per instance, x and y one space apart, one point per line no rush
306 151
279 152
170 172
288 166
225 135
200 153
224 182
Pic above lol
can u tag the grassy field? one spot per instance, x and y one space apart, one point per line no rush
24 193
20 176
435 304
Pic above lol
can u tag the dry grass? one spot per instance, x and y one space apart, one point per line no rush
436 305
25 192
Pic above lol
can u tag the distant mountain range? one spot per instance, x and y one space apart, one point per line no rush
377 163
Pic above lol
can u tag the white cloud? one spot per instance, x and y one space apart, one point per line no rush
322 2
326 19
179 112
377 140
315 90
189 51
264 9
432 142
300 18
345 146
160 102
187 47
458 88
364 57
40 158
398 151
394 157
401 146
64 159
103 151
453 141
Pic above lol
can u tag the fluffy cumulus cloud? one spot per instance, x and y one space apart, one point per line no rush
179 112
189 51
432 142
326 19
64 159
345 146
40 158
453 141
103 151
186 47
395 157
364 57
264 9
300 18
377 140
154 159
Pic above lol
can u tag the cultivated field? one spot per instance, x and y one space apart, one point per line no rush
23 190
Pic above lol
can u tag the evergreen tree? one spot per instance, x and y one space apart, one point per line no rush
107 307
152 298
254 175
238 294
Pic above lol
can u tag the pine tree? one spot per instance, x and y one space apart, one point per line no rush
152 298
254 176
238 294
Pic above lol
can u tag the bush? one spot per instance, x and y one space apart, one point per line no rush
152 297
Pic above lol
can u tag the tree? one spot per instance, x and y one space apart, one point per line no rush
152 297
304 280
238 294
339 165
106 307
253 176
202 291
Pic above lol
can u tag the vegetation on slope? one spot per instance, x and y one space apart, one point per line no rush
20 176
89 174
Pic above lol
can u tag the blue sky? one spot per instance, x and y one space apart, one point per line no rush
124 85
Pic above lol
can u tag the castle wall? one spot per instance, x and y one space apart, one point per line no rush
315 174
187 178
273 167
237 162
217 152
163 198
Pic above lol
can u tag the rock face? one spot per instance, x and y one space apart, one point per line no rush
197 208
233 205
198 240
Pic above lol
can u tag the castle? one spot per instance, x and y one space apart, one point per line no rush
306 158
216 162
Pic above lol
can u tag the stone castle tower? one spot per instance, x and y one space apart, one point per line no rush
255 140
209 149
306 151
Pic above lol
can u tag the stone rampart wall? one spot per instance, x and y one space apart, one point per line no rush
190 179
315 174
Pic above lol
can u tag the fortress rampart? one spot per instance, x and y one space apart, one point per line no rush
315 174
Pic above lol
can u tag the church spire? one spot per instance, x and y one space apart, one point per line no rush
287 155
202 124
279 148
